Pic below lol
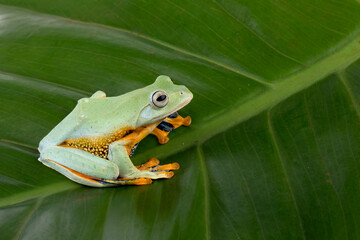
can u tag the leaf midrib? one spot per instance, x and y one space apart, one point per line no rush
240 112
37 192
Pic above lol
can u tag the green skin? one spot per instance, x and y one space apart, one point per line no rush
100 115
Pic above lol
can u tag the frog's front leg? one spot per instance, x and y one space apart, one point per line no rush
119 155
168 125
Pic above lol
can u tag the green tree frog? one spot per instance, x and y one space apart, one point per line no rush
93 144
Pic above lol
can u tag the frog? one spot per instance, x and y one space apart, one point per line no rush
93 144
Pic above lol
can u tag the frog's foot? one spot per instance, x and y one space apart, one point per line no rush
153 165
168 125
166 167
129 181
153 174
118 154
186 121
179 121
153 170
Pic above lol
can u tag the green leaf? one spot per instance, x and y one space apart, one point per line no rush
273 150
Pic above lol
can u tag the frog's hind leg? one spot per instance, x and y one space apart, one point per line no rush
93 181
85 168
71 174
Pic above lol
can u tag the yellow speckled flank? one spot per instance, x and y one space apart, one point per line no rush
99 146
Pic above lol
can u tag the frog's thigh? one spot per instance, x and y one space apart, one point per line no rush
118 154
80 161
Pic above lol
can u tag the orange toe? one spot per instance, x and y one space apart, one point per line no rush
142 181
163 140
170 166
151 163
168 174
187 121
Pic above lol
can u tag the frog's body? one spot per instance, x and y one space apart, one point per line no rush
93 143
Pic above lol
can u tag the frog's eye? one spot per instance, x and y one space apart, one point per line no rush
160 99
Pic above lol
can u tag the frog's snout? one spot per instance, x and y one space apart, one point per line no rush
186 94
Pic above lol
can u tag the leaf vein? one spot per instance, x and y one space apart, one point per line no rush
277 150
27 218
264 176
257 35
323 160
157 41
345 81
58 85
206 191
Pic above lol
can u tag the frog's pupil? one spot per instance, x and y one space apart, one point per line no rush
161 98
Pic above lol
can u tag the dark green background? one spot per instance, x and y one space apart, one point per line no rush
273 151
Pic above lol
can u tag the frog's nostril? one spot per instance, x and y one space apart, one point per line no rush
181 92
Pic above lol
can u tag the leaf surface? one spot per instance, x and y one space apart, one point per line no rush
273 150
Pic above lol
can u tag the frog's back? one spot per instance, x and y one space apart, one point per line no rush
95 117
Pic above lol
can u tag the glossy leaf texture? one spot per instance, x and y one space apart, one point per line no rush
273 150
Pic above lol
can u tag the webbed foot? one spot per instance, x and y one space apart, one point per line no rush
130 181
168 125
153 170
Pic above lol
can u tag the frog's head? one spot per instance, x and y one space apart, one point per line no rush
164 98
